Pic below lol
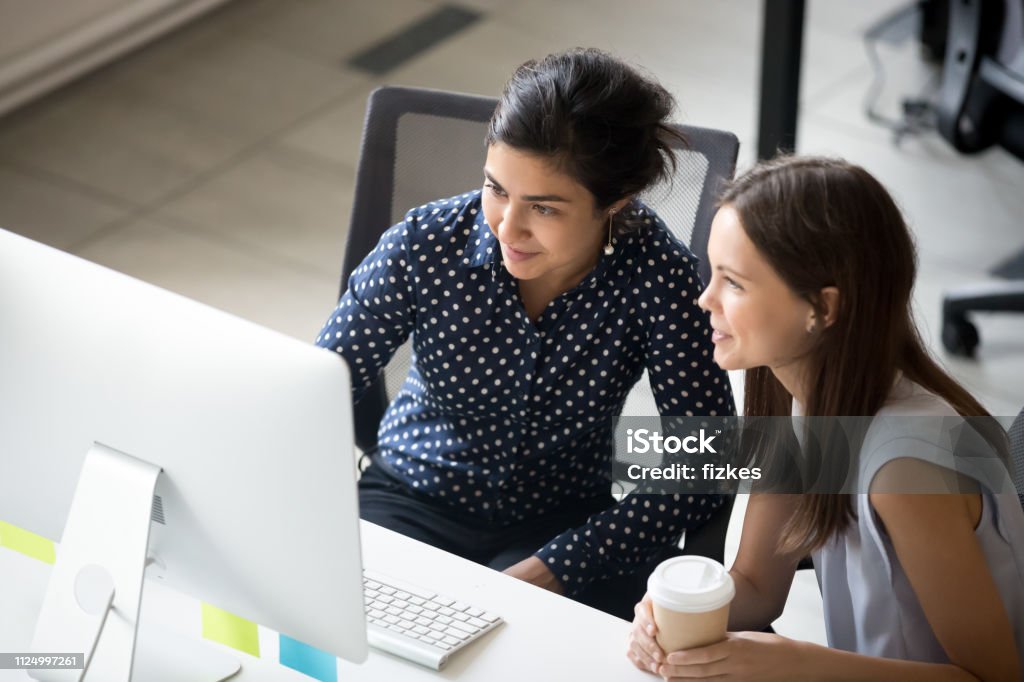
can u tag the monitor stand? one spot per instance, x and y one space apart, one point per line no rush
92 601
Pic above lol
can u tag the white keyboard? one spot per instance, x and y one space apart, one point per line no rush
419 625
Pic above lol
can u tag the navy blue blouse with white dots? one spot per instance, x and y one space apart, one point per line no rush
504 418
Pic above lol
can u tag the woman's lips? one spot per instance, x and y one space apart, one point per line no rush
515 255
717 336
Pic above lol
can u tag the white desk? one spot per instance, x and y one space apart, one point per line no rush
544 637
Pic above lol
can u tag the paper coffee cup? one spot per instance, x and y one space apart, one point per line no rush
690 596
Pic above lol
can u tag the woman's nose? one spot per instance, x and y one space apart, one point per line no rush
511 228
705 299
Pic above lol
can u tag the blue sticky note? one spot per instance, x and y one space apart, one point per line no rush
309 661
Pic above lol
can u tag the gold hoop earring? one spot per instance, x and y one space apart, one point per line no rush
609 248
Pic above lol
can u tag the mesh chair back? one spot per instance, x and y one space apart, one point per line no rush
1017 453
420 145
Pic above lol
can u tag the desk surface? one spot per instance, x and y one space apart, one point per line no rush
545 637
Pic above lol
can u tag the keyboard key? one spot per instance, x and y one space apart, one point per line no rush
460 616
445 611
406 623
370 593
423 621
375 614
489 617
420 630
435 635
444 619
378 605
417 601
448 639
414 609
459 606
443 601
393 611
402 595
476 613
371 584
457 634
438 626
431 605
464 627
385 598
477 623
386 590
398 585
401 603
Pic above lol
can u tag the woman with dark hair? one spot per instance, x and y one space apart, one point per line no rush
534 305
813 267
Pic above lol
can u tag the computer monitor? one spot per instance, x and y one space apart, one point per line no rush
105 382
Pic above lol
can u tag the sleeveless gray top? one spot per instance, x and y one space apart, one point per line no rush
870 606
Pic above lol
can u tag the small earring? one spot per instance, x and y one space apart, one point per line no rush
814 327
609 249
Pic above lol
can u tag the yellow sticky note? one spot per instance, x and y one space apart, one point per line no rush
29 544
227 628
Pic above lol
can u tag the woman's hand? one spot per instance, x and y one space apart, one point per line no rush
643 649
741 656
532 570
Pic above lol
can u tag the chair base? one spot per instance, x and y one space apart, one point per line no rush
960 336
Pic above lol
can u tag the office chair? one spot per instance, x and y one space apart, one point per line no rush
420 145
981 103
1016 435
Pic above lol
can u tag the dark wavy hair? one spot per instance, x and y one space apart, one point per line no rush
598 119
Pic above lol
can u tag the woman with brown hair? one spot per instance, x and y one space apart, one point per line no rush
813 268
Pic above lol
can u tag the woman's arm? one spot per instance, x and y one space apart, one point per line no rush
376 314
762 574
935 542
757 656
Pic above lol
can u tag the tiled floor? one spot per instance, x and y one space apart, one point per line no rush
219 161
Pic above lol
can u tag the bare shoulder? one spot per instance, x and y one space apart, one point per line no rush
913 495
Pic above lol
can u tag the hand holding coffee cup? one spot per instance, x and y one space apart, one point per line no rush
687 606
690 597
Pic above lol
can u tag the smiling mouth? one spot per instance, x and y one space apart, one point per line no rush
515 255
717 336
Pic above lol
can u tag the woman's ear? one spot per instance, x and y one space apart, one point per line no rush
828 301
620 204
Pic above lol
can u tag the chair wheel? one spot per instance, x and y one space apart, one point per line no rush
960 337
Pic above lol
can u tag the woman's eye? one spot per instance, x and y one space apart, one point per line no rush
733 284
494 189
544 210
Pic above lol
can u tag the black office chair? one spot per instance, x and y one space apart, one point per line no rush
419 145
1016 435
981 103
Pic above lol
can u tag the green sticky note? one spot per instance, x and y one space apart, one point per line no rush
29 544
227 628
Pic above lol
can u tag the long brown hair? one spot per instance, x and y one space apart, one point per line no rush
821 223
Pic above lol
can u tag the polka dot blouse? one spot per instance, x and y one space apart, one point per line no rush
504 418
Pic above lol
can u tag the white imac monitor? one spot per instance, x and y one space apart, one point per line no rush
119 402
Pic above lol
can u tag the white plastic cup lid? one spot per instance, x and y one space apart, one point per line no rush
691 584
